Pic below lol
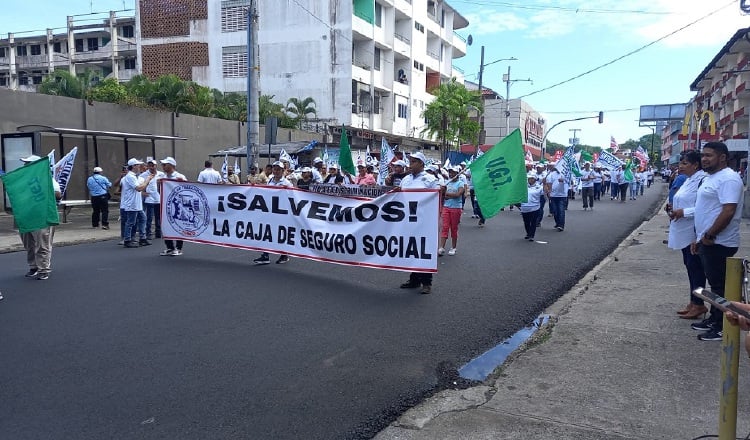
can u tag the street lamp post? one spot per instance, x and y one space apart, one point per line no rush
508 81
482 65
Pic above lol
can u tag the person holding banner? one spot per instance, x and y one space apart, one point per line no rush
419 179
363 177
254 178
277 179
152 200
169 165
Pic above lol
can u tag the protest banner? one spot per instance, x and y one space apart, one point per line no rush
398 230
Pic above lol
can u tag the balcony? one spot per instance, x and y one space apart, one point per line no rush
739 114
32 61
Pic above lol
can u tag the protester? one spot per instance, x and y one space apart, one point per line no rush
606 181
169 165
232 177
98 186
277 179
598 179
615 176
209 174
557 192
718 209
530 208
254 178
317 170
682 229
306 179
399 172
38 244
131 203
451 214
363 177
587 186
540 174
418 179
152 199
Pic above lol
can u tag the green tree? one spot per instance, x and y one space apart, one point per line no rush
267 108
298 109
231 106
109 90
61 83
448 115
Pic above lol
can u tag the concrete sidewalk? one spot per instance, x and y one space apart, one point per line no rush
616 362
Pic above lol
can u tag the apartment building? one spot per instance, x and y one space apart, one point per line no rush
104 47
368 64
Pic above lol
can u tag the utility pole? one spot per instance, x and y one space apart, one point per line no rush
481 99
508 81
253 118
574 140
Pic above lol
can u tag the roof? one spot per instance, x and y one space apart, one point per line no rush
97 133
724 50
263 150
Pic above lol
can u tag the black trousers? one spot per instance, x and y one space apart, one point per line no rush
714 259
100 205
424 279
170 244
529 222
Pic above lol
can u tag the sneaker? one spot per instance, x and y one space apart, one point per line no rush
144 242
426 290
409 285
177 252
1 295
452 251
105 227
559 228
131 244
121 243
43 276
585 208
481 223
441 252
263 259
703 326
526 237
166 253
531 238
283 259
31 273
711 335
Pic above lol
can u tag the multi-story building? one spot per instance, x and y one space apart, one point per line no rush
368 64
105 47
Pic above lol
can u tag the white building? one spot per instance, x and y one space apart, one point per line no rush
368 64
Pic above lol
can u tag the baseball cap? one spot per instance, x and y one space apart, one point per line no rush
399 163
169 160
306 170
32 158
153 161
419 156
98 169
134 161
278 164
317 160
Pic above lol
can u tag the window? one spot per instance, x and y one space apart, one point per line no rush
92 43
377 59
57 48
129 63
127 31
418 26
21 51
419 66
2 52
3 81
36 77
36 49
79 44
23 79
376 104
402 111
234 61
354 96
378 15
234 15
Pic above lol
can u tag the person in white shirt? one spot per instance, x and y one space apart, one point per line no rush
152 200
557 192
418 178
530 208
682 228
277 179
169 165
209 174
131 204
718 208
587 186
598 179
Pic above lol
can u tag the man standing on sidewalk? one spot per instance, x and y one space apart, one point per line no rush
131 201
98 186
717 226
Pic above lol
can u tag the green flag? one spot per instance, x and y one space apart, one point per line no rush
499 176
345 154
32 196
585 155
629 171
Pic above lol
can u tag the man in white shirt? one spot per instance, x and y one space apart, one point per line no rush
169 165
718 209
418 178
556 189
587 186
209 174
152 199
131 204
277 179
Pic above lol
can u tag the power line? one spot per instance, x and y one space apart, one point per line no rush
629 53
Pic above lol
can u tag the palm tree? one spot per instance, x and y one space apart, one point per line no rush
61 83
448 115
300 108
267 108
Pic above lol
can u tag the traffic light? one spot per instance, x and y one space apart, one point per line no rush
601 117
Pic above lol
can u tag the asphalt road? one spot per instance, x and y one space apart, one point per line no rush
124 344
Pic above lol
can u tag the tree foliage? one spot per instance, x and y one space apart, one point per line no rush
448 115
299 108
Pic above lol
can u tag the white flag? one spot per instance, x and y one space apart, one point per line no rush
237 166
386 156
224 167
51 156
64 168
285 156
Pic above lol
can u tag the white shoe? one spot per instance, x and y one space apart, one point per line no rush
452 251
177 252
441 252
166 253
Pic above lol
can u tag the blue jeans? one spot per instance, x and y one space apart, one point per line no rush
134 220
153 215
557 206
597 190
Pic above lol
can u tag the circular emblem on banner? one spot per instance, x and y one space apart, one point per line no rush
187 210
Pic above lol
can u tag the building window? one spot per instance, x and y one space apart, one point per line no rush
419 66
23 79
354 96
57 47
3 81
234 61
21 51
36 77
234 15
36 49
127 31
378 15
92 43
402 111
376 104
129 63
79 44
2 52
376 64
419 26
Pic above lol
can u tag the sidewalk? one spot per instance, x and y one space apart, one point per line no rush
616 363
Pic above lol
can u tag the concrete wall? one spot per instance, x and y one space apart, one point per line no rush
204 135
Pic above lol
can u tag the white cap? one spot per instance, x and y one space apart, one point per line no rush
333 165
419 156
32 158
400 163
169 160
134 161
98 169
306 170
278 164
317 160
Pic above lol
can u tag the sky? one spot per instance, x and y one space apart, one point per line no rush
553 41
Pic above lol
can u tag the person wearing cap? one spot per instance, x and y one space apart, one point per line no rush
255 178
335 177
399 172
418 179
131 203
38 244
606 181
306 178
598 178
557 191
232 178
169 166
540 173
98 186
277 179
152 199
616 177
364 178
317 170
530 208
587 186
452 210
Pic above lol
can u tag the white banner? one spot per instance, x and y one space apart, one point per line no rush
398 230
64 168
